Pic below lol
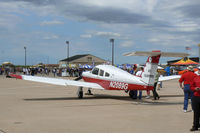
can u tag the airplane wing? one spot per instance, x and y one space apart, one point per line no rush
57 81
164 78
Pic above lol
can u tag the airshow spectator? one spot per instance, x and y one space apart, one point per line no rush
1 71
139 74
167 69
54 71
155 94
195 87
187 79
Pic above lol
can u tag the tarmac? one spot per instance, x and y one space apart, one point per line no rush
31 107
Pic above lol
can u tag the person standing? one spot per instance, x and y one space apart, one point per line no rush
54 72
139 74
159 83
155 94
195 87
187 79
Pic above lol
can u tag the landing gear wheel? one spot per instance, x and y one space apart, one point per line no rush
89 92
133 94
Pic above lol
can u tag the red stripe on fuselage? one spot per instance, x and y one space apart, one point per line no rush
115 85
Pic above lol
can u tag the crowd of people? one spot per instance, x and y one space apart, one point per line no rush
42 71
72 72
5 71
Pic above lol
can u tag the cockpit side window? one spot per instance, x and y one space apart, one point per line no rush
95 71
101 72
107 74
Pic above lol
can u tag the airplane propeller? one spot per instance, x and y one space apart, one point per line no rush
80 90
78 78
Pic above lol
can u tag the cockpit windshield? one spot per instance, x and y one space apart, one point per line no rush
100 72
95 71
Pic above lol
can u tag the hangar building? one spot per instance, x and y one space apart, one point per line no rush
83 59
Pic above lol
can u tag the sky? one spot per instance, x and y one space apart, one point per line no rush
44 26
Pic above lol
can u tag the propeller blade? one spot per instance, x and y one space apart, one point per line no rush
79 78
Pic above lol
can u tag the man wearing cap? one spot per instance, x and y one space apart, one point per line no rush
187 79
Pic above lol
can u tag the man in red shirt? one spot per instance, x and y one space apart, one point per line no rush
187 79
195 87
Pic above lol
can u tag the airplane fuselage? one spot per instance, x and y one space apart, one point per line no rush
112 78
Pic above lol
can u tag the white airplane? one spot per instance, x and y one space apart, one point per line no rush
107 77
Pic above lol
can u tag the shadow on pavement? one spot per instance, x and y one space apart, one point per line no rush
143 101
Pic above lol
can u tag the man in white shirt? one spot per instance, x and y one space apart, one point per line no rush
139 74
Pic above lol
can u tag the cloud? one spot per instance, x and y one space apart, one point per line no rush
101 34
127 44
140 23
51 37
154 40
9 15
191 10
86 36
100 11
8 21
151 14
107 34
187 26
54 22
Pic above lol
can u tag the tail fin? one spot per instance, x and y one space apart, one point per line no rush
148 76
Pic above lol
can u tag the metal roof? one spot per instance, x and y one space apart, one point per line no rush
75 57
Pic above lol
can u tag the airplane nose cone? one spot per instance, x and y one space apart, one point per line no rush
85 74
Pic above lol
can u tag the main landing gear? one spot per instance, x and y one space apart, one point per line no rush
133 94
80 92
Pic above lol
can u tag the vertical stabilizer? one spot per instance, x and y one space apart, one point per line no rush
148 76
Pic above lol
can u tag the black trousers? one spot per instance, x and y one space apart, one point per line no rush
196 109
155 94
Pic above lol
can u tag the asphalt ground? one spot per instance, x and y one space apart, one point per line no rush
31 107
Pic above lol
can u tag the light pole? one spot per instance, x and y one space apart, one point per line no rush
25 56
112 42
67 42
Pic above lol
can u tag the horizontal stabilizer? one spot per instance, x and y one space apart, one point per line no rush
169 77
165 54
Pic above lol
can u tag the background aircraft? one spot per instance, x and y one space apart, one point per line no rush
107 77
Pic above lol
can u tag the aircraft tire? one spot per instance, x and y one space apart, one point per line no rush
133 94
